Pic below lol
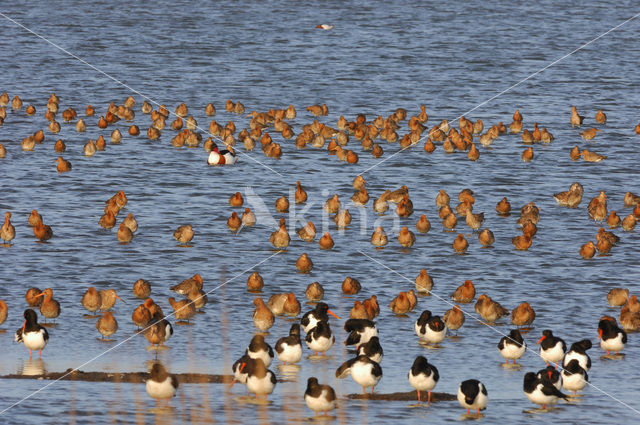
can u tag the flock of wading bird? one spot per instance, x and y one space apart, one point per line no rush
541 388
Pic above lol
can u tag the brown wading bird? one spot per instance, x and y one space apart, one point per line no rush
617 296
183 309
49 308
108 299
304 263
597 208
576 119
570 198
589 134
521 242
423 282
255 282
379 237
523 315
42 232
314 292
291 305
34 218
63 165
400 304
141 289
32 297
262 317
276 303
359 311
406 238
489 310
234 222
453 318
107 325
91 300
351 286
326 242
124 234
280 238
503 207
588 250
486 237
158 330
308 232
460 244
300 195
187 285
7 231
465 293
423 225
141 316
184 234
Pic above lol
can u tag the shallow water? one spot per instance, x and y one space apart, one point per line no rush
269 55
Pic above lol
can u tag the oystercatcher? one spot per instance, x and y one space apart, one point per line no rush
574 377
32 335
372 349
512 347
259 349
539 391
578 352
611 337
360 331
551 348
289 348
161 385
551 375
423 376
472 394
320 339
260 380
319 313
319 398
363 370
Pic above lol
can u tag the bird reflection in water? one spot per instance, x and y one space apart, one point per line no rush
32 367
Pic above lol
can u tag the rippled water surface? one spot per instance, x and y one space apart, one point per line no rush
451 58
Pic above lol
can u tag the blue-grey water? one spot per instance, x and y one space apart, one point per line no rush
379 56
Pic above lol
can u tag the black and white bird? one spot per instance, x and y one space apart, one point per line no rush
611 337
32 335
551 375
430 328
472 395
574 377
363 370
259 349
320 339
289 348
578 351
512 347
161 385
552 348
360 331
319 398
539 391
239 373
423 376
260 380
372 349
319 313
420 327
